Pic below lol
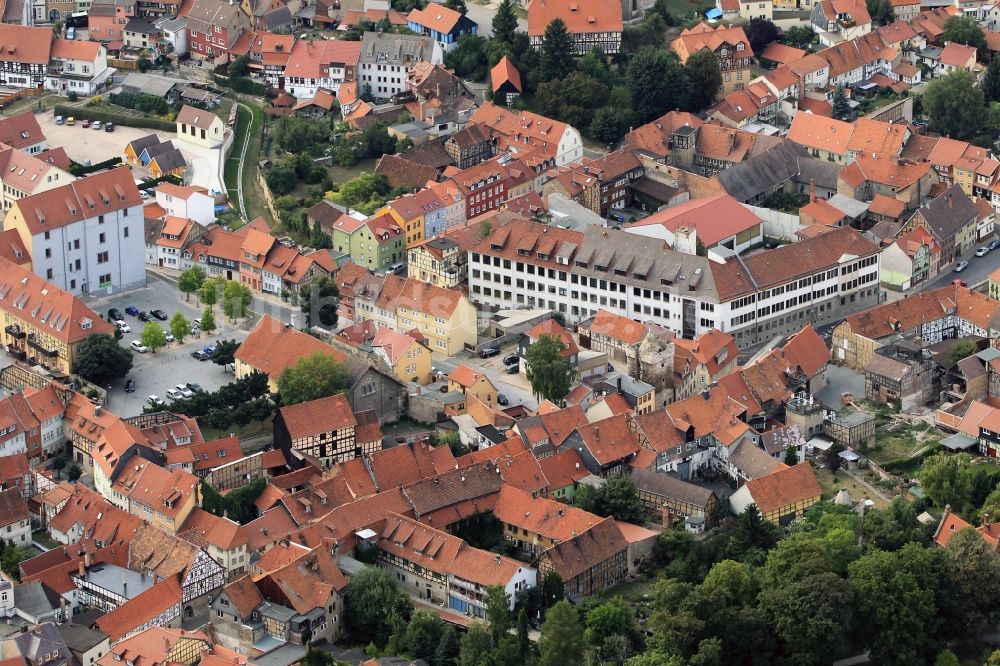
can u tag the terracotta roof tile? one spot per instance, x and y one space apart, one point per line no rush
272 347
406 464
552 328
563 469
595 545
545 517
580 16
141 609
784 487
318 416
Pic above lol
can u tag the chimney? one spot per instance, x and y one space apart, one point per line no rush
619 383
86 560
668 518
498 560
81 569
24 627
97 410
947 198
986 519
812 190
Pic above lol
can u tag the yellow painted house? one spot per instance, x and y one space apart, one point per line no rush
464 379
409 359
445 317
408 215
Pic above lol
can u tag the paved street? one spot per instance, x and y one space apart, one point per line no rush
155 373
979 268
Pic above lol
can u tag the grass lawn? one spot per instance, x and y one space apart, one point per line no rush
831 483
904 442
252 429
339 174
633 591
252 194
43 538
684 8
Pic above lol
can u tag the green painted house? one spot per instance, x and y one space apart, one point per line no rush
376 243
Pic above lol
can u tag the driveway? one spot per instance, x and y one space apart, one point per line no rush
483 11
155 373
516 388
83 144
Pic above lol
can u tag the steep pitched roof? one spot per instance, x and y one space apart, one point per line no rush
580 16
577 555
318 416
272 347
883 320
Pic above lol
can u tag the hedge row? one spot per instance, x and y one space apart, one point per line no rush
118 119
82 170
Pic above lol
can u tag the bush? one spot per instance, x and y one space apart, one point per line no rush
118 119
140 102
242 84
81 170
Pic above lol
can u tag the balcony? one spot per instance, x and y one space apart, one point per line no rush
34 344
15 332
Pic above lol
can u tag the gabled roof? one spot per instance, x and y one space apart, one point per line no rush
579 554
272 347
537 515
609 440
714 218
315 417
97 194
554 329
580 16
141 609
948 213
821 133
784 487
505 72
910 312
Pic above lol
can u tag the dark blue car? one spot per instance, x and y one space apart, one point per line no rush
994 245
132 310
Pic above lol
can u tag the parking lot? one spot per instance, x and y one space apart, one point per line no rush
83 144
155 373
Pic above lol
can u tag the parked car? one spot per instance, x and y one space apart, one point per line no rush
489 351
109 127
86 124
502 399
122 326
196 388
143 316
60 120
184 390
155 401
130 386
114 314
994 245
132 310
210 349
982 252
960 283
138 346
174 394
168 336
159 314
96 125
511 358
200 355
513 369
961 266
71 121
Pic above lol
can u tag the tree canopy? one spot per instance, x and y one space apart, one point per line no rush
548 370
556 58
371 602
312 377
153 336
657 82
954 104
100 359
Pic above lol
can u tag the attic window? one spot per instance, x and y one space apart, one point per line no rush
496 247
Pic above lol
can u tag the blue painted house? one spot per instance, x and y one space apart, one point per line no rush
442 24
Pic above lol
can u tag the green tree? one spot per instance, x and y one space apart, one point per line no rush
791 456
657 82
706 79
225 352
894 526
595 65
236 299
966 30
811 616
947 479
523 640
760 32
841 109
571 99
153 336
505 22
239 67
552 589
475 646
549 372
58 464
468 58
99 359
312 377
212 290
972 580
190 281
281 177
179 326
447 649
74 472
946 658
895 612
991 81
752 537
611 123
800 36
611 618
556 58
498 611
954 104
207 320
961 349
561 640
371 601
423 634
320 295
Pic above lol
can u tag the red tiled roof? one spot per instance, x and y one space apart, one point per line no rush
318 416
580 16
784 487
504 72
272 347
141 609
